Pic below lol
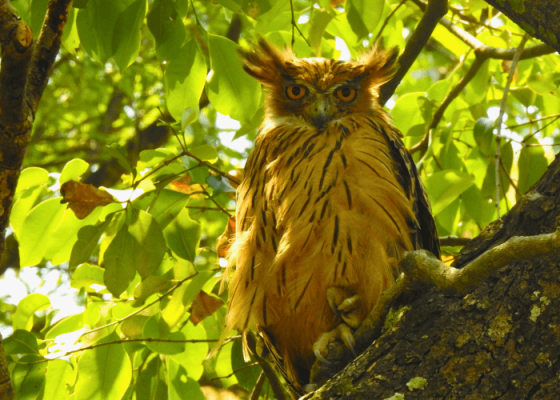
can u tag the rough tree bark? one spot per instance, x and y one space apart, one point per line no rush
539 18
500 341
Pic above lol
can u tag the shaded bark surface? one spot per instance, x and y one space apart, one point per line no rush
539 18
502 341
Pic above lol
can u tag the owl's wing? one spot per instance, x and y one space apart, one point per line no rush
426 236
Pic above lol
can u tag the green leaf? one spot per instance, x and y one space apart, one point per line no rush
224 367
22 318
59 377
196 285
96 25
31 177
118 152
21 342
230 90
183 236
544 83
476 90
150 286
164 207
157 328
148 241
25 202
86 275
445 186
73 170
151 384
126 37
185 78
318 24
532 165
484 137
233 5
189 116
65 236
206 153
247 377
220 185
88 238
39 224
70 38
438 90
167 27
406 112
103 372
66 325
38 12
119 262
28 379
180 385
364 15
195 353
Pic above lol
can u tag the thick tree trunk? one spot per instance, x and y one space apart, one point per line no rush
539 18
500 341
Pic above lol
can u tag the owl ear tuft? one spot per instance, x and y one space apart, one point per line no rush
379 63
264 62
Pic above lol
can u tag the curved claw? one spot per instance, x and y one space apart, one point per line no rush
320 357
348 338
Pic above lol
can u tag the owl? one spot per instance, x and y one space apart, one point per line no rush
329 202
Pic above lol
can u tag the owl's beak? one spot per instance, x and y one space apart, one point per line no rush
321 112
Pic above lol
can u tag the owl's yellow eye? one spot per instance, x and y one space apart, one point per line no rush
296 92
346 94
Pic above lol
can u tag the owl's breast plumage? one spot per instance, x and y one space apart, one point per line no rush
316 209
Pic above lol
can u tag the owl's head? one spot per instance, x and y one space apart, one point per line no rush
319 90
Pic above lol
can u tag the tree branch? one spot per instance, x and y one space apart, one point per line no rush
432 14
422 145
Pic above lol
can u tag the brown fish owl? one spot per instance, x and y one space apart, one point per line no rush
329 201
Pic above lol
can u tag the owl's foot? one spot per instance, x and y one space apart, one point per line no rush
347 305
342 332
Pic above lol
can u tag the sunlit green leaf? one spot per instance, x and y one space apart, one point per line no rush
167 27
147 241
86 275
230 90
66 325
39 224
31 177
183 236
180 385
406 112
532 164
163 206
103 372
205 153
22 318
73 170
172 343
21 342
126 38
59 377
445 186
28 378
119 262
88 238
185 77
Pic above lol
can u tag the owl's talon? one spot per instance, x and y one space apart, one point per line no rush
349 303
320 356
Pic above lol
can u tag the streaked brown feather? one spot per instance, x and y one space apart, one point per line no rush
320 208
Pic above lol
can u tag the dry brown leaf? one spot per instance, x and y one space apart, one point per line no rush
83 198
181 185
203 306
224 241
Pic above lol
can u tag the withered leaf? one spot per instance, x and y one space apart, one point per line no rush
182 184
82 198
225 240
203 306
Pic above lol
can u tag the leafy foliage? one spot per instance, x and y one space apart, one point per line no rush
138 102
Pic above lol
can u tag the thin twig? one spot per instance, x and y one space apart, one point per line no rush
510 127
294 26
119 320
388 18
258 387
435 10
234 372
454 241
539 130
422 145
513 67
